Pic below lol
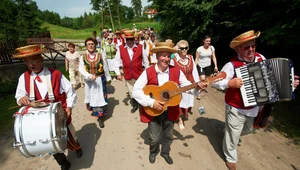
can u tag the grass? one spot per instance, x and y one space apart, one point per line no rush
7 120
67 33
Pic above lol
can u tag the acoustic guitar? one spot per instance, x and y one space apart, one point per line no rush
170 93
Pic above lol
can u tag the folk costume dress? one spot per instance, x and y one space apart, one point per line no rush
188 67
110 53
95 91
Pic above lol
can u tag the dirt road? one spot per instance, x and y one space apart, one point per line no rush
123 144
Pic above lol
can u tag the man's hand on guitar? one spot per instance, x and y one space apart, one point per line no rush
296 81
158 105
202 85
235 83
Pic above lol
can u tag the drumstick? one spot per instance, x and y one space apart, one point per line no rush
13 107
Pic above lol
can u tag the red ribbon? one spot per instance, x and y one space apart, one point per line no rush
248 37
38 49
38 78
128 34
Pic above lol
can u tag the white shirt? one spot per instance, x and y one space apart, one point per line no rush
205 56
223 84
162 78
65 86
130 53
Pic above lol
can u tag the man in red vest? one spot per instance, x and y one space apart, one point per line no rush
161 125
239 119
48 85
134 60
119 40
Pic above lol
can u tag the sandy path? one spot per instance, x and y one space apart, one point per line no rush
122 144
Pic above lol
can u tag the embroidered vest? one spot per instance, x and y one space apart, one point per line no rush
93 66
173 111
186 69
132 68
233 96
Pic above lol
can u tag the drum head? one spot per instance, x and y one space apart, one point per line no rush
61 127
37 104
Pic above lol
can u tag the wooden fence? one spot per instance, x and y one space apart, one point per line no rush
8 49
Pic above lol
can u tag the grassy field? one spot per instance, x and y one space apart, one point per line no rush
67 33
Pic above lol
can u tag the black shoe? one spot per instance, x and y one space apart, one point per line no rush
78 153
167 158
134 108
101 124
66 166
152 157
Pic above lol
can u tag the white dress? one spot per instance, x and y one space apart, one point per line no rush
94 90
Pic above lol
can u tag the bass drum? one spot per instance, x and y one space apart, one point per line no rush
39 130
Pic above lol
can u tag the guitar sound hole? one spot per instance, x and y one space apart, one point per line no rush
166 96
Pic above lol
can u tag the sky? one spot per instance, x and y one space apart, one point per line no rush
73 8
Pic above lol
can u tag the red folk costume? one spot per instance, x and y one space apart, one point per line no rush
132 68
55 83
173 111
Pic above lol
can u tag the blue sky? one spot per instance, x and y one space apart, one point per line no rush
72 8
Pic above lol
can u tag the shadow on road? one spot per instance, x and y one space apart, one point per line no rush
213 129
112 102
88 137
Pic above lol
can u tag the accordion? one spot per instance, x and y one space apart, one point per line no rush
267 81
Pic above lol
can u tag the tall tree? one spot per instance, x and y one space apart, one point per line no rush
137 6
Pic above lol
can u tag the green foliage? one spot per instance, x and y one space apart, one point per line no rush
7 88
6 121
19 19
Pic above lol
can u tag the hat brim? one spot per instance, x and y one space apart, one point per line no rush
233 44
129 37
163 49
22 56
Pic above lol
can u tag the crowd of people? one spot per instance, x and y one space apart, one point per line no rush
144 61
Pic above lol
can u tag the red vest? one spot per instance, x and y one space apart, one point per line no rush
173 111
233 96
132 68
188 69
55 82
122 40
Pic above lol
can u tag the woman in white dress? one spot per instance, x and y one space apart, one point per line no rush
94 69
185 62
72 63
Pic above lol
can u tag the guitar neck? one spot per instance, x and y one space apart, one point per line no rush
183 89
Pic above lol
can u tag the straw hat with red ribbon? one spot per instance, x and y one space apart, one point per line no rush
129 34
29 51
243 38
163 47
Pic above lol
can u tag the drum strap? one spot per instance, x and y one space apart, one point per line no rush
48 83
49 86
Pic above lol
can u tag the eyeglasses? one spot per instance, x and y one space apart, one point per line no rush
183 48
248 47
109 39
90 44
129 39
31 62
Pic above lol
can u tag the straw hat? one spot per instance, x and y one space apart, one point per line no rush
163 47
129 34
245 37
29 51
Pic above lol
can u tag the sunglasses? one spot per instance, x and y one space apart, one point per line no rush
183 48
90 44
248 47
109 39
129 39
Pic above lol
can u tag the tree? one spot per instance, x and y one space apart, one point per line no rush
137 6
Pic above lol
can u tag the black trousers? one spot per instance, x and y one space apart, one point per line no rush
161 130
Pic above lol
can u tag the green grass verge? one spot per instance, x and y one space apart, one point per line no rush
6 114
67 33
